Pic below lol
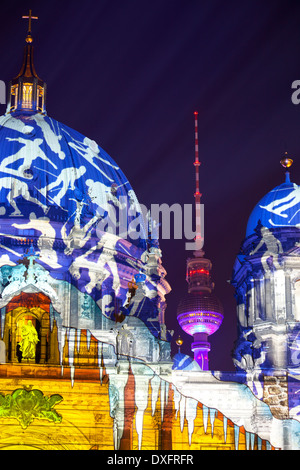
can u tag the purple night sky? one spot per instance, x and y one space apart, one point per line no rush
130 74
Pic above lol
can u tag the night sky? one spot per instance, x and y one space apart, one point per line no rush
129 74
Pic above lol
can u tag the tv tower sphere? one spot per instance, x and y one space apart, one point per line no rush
200 313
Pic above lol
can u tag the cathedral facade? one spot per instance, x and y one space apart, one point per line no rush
85 356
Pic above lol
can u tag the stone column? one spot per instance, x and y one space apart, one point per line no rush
288 295
268 304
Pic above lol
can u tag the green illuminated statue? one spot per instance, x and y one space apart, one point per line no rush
29 340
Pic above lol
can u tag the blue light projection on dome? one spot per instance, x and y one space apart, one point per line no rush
101 300
266 282
279 208
64 197
52 171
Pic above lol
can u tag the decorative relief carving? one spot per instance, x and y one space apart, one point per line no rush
27 405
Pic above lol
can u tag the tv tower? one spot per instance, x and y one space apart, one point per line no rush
199 313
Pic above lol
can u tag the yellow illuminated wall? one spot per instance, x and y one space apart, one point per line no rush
85 412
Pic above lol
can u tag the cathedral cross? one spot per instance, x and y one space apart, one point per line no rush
30 17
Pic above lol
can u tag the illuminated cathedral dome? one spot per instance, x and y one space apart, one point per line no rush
53 171
62 193
265 277
278 208
49 170
66 205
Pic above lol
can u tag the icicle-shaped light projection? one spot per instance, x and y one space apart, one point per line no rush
153 383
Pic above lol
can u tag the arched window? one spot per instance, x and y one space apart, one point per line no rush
27 96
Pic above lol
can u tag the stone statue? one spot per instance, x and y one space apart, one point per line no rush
124 342
29 340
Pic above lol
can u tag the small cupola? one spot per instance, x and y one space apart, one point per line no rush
27 92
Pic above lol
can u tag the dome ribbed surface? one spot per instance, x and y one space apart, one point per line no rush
278 208
53 171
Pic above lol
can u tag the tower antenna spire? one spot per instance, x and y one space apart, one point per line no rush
199 239
200 313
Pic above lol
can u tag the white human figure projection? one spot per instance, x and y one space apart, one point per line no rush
273 248
78 236
65 180
89 155
279 206
45 240
107 305
79 208
42 282
15 124
99 194
17 188
97 270
89 150
51 138
29 152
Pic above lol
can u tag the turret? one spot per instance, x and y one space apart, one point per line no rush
27 91
266 281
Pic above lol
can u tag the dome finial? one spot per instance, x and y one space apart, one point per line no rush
27 91
29 38
286 162
179 343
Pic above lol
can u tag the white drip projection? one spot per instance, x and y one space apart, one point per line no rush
155 386
61 345
149 382
71 334
142 376
100 354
